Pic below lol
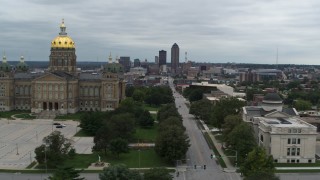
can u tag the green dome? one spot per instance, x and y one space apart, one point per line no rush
113 68
4 66
22 66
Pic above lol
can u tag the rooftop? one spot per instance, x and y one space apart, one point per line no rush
284 122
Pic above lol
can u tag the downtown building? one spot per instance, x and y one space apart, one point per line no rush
61 89
175 59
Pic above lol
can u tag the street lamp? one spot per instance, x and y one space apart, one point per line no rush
17 149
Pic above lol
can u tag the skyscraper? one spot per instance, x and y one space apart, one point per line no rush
174 58
125 62
162 57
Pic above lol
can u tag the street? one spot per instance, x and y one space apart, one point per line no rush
199 152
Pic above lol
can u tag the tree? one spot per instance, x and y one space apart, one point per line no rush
118 146
223 108
172 144
257 162
129 91
122 126
242 140
145 119
138 95
262 176
119 172
92 121
170 121
102 138
66 173
158 174
196 95
302 105
230 122
201 109
56 149
167 111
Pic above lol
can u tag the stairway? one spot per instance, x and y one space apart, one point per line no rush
47 114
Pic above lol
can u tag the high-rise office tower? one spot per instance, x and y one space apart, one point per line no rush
156 59
125 62
162 57
174 58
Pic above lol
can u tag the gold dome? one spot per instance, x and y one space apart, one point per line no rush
62 42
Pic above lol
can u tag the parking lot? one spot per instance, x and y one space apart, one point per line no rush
19 138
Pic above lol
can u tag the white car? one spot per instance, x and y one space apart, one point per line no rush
63 125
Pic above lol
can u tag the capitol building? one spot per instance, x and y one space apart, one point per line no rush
61 89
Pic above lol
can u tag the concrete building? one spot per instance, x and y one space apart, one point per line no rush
288 140
61 89
281 131
174 58
136 63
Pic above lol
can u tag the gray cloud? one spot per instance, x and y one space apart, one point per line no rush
246 31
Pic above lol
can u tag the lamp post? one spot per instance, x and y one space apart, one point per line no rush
17 149
45 157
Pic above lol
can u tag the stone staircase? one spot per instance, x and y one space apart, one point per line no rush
47 114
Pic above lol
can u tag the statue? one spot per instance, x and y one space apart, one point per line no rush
99 159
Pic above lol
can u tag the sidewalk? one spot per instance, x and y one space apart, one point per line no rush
230 167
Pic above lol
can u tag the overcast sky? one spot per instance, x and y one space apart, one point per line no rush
242 31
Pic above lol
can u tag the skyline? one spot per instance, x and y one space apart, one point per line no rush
210 31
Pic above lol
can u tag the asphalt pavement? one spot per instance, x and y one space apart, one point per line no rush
198 164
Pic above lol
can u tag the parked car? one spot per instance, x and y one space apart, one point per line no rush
63 125
59 126
56 123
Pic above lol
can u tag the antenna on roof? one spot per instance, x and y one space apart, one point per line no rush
277 58
186 58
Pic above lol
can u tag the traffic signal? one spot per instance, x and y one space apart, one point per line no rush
204 166
211 156
195 166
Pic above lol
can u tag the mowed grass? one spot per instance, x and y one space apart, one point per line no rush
146 134
151 108
148 158
75 116
25 116
8 114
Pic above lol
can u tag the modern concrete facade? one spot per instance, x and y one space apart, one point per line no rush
61 89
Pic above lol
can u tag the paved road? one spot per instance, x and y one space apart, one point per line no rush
199 152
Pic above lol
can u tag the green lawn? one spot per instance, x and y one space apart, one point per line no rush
82 133
8 114
25 116
151 108
146 134
75 116
317 164
148 158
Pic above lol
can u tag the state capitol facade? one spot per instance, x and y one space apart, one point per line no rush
61 88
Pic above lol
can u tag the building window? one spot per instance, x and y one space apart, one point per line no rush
298 141
289 130
276 160
298 151
293 160
261 138
289 141
288 151
309 161
293 151
294 141
298 160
